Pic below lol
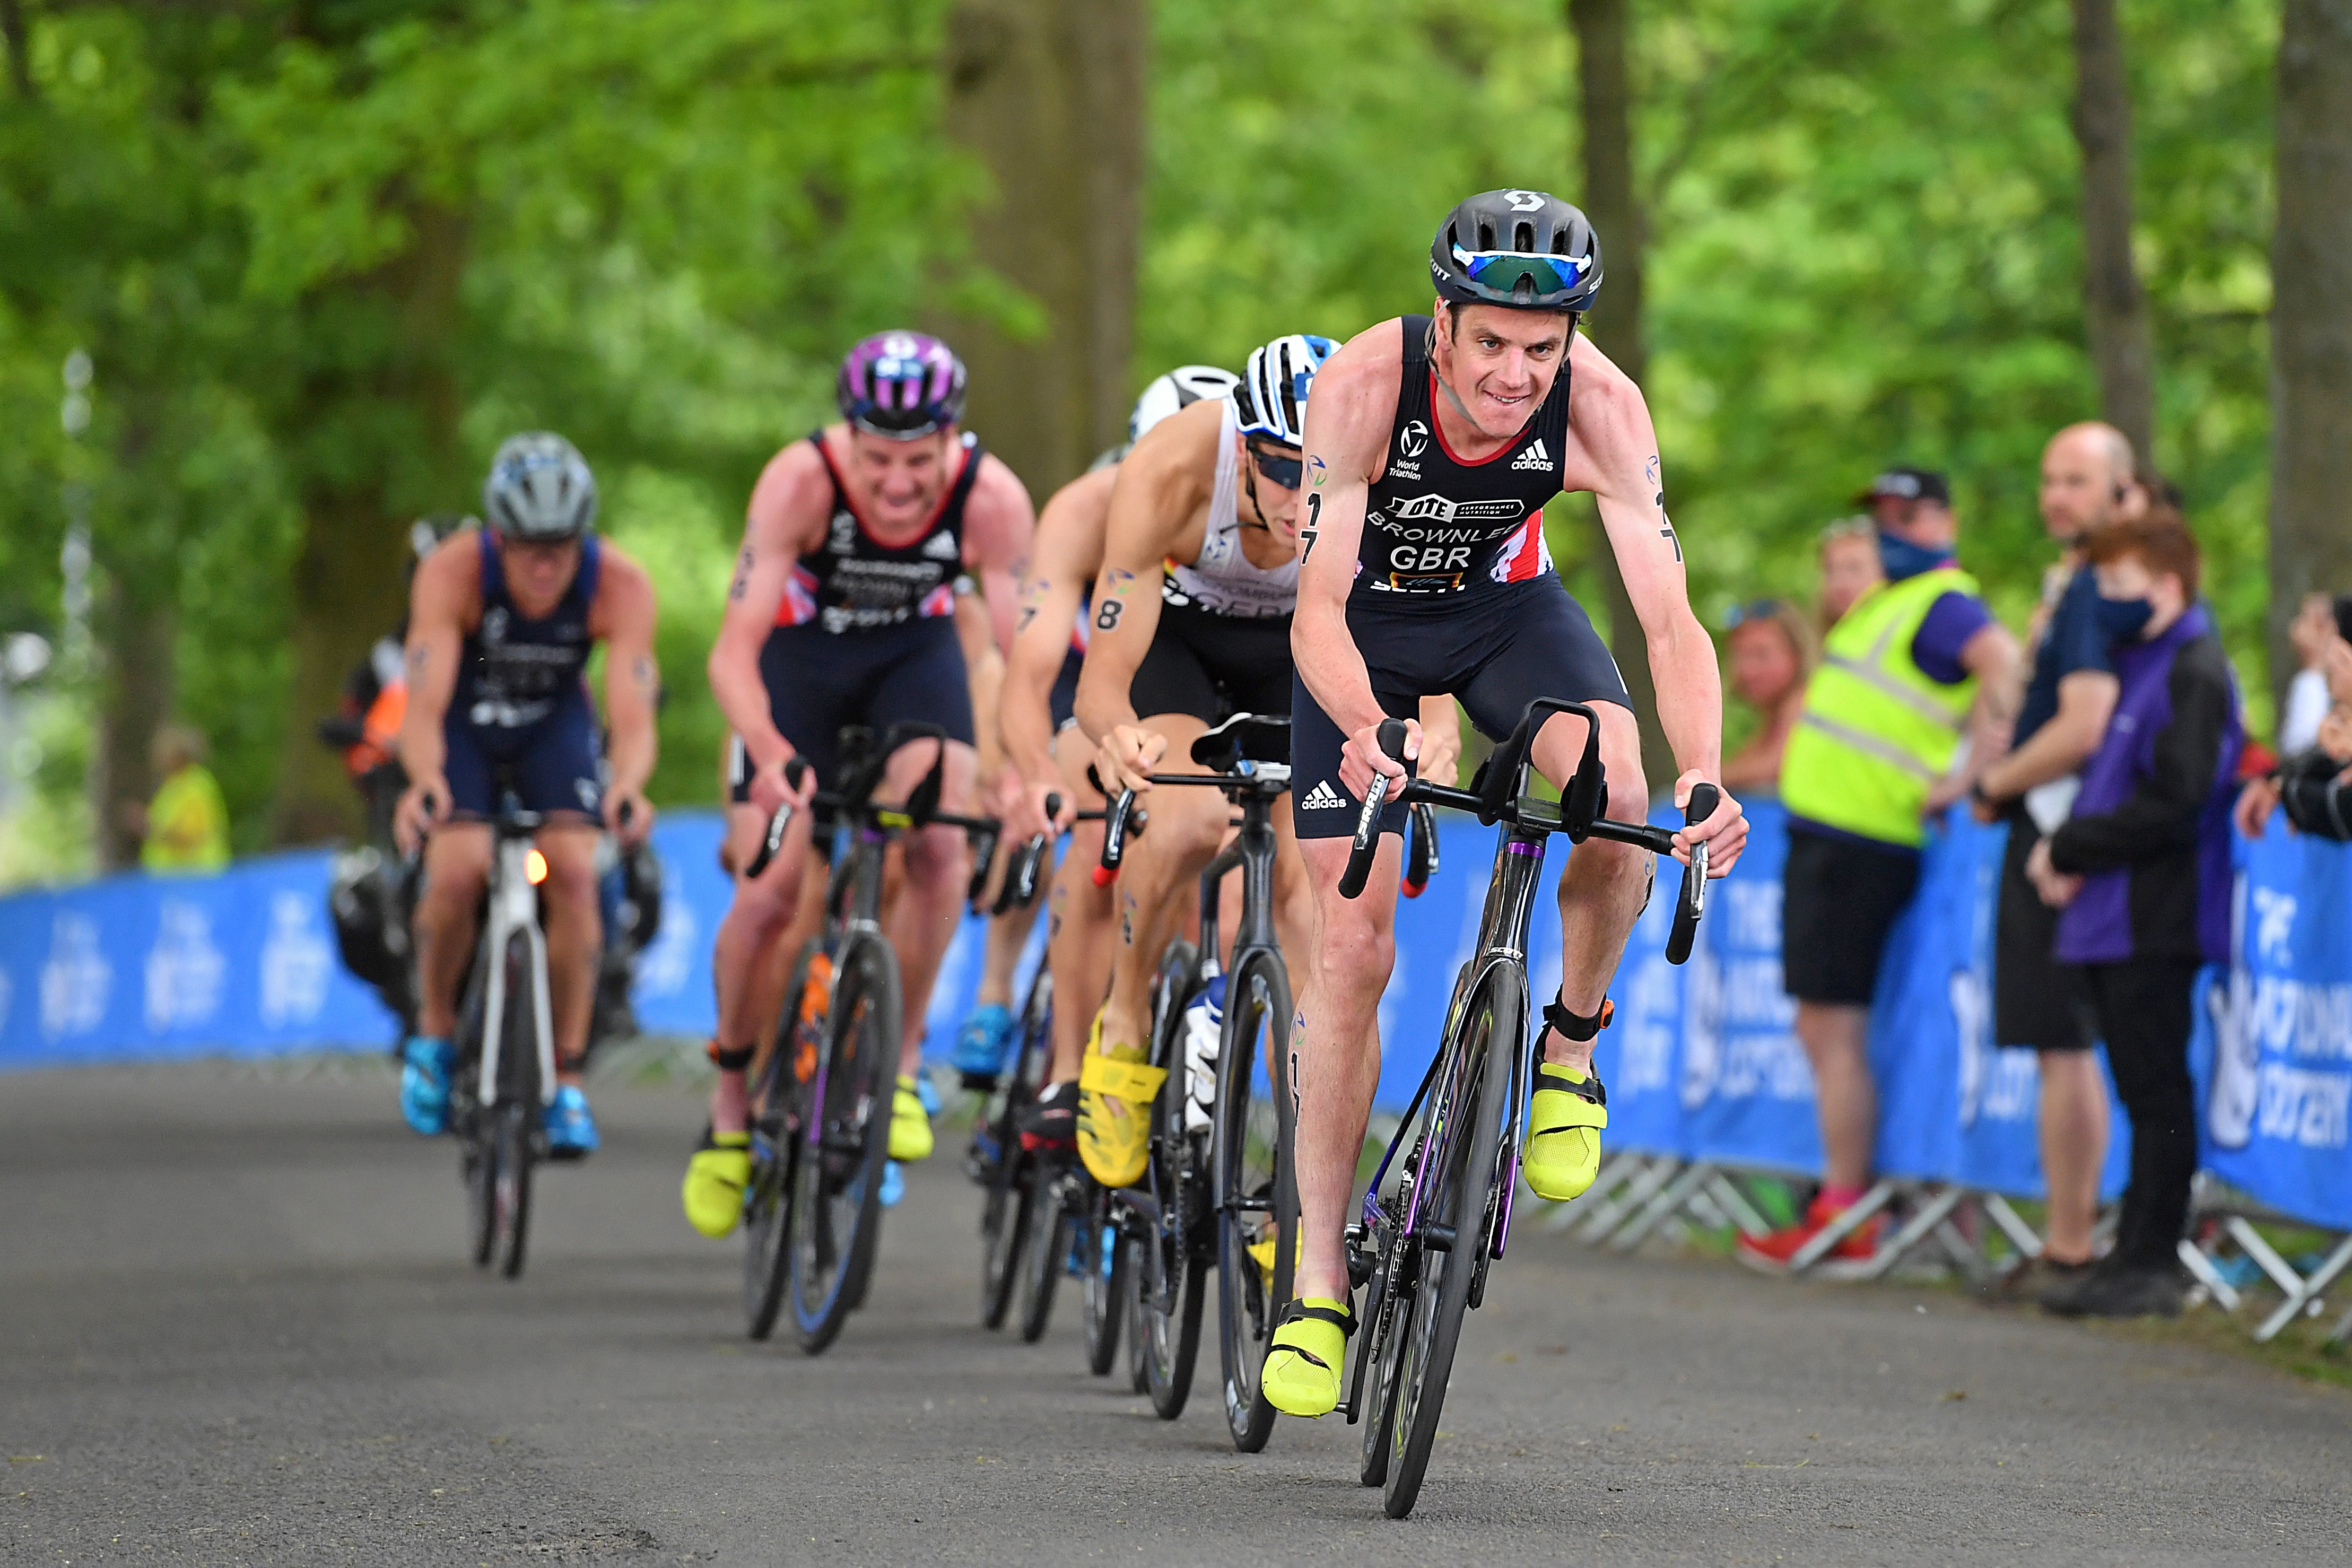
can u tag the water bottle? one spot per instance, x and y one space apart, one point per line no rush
1204 1022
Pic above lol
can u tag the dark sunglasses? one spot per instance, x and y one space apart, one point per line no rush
1283 468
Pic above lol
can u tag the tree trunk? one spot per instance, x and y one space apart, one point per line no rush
350 582
1049 96
2114 306
136 694
2310 317
1606 98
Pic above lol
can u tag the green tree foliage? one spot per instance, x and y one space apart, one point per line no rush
324 254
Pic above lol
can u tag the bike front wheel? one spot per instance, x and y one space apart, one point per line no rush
1257 1200
1105 1296
836 1212
1004 1168
1458 1202
767 1196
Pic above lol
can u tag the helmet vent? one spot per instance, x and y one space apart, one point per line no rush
1523 238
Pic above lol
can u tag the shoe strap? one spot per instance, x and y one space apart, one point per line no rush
1590 1090
1131 1082
1343 1317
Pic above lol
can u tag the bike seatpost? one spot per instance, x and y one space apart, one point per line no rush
1391 739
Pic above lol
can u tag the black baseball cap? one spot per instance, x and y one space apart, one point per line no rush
1907 484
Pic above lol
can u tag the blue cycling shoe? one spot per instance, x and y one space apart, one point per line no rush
571 1129
425 1066
894 1184
980 1050
927 1091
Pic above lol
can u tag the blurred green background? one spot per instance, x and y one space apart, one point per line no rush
322 257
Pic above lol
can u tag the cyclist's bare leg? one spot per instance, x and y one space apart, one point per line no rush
457 869
1160 866
1079 944
1335 1048
1008 933
1601 890
921 919
758 916
575 937
1294 898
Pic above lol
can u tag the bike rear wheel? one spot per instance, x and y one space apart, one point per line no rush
1457 1181
837 1211
1006 1171
767 1196
1258 1201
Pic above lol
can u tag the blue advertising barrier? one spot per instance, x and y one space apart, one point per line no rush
1702 1063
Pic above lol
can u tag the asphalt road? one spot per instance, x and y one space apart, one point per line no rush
238 1329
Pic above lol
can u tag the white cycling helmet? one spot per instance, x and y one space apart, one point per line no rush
1272 397
1180 388
540 490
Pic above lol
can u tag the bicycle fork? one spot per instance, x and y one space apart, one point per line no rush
514 906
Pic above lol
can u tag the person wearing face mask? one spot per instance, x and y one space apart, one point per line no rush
2140 874
1916 664
2088 483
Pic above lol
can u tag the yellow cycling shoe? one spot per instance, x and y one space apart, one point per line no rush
1116 1145
1302 1364
910 1125
714 1178
1568 1111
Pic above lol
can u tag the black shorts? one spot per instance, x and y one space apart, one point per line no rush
1495 652
1213 667
819 681
2036 1000
1840 897
551 764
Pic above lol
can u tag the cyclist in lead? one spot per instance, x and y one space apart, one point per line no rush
1432 444
843 611
501 622
1038 718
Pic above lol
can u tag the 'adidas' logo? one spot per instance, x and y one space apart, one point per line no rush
1534 458
942 546
1323 797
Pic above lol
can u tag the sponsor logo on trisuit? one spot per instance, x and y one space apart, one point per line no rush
1534 458
940 547
1322 797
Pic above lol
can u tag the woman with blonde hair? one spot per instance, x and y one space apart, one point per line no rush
1769 650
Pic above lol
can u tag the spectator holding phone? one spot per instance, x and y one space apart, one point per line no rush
2140 874
2315 781
2307 697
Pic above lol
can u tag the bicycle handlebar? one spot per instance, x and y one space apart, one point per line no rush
795 771
1705 798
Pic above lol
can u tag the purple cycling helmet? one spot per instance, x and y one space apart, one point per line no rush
901 385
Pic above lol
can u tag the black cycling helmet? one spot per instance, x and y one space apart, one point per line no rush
1525 249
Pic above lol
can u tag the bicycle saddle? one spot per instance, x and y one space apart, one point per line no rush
1244 737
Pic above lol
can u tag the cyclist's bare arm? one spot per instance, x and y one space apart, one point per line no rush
1346 444
624 617
1155 505
998 520
785 521
984 668
442 599
1612 451
1063 560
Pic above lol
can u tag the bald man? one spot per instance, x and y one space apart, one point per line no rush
2087 482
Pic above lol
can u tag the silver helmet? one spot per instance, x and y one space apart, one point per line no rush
540 490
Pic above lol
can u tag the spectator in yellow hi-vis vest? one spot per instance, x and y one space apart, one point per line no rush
186 825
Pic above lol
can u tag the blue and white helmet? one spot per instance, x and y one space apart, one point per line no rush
1180 388
540 490
1272 397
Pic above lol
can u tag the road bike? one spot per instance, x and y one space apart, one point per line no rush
1210 1196
1438 1212
820 1136
505 1074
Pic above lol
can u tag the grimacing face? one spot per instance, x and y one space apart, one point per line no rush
1500 363
897 483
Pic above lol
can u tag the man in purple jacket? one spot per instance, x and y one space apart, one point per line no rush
2141 873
